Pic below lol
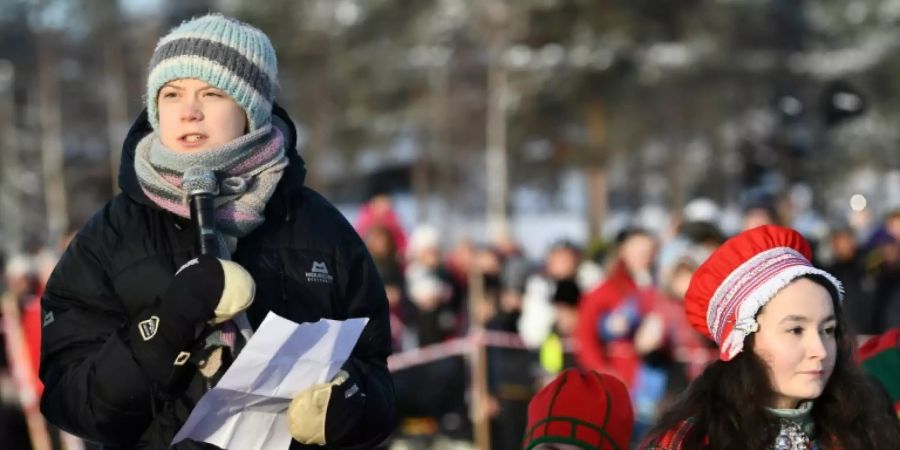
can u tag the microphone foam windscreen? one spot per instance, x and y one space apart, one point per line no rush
199 180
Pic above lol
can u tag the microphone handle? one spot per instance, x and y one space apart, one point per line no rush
203 216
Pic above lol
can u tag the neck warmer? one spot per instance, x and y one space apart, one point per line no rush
248 170
797 427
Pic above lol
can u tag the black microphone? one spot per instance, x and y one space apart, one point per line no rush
201 185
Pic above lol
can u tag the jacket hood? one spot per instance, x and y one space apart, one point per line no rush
291 181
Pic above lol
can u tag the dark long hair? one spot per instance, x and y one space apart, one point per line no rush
726 404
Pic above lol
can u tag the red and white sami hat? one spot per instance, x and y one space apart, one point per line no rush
740 277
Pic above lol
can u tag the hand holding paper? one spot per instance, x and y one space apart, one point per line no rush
309 409
247 409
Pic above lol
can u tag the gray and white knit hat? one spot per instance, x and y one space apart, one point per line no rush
223 52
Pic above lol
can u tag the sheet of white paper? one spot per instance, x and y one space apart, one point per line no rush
247 409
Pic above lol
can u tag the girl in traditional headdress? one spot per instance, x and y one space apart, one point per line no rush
786 378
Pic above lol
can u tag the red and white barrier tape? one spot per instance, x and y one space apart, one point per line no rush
498 339
453 347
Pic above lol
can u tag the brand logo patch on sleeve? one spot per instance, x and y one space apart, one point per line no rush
48 318
149 327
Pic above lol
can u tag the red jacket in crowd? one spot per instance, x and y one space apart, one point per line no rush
608 317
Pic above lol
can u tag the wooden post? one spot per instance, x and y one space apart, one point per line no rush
21 367
478 363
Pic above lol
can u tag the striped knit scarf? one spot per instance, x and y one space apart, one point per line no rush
248 169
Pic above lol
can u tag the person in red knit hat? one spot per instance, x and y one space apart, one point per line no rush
580 410
786 377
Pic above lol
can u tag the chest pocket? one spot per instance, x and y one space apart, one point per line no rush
297 285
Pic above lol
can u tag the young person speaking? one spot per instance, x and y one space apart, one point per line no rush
137 325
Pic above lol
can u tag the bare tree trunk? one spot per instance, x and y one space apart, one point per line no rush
423 180
52 160
10 200
497 178
676 180
597 192
318 133
114 84
421 185
595 170
323 101
445 179
322 115
426 180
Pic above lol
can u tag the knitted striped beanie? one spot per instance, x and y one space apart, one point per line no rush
223 52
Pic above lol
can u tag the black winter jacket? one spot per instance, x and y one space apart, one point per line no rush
127 254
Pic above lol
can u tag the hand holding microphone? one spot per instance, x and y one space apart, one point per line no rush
202 186
218 289
205 291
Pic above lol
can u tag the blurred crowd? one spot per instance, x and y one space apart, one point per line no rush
24 276
614 307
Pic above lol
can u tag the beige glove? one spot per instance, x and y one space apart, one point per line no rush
306 415
238 293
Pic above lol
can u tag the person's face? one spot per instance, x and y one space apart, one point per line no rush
796 339
506 245
510 300
194 116
680 281
461 255
892 224
756 217
562 263
890 253
379 242
566 318
380 205
638 252
429 257
844 245
488 262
